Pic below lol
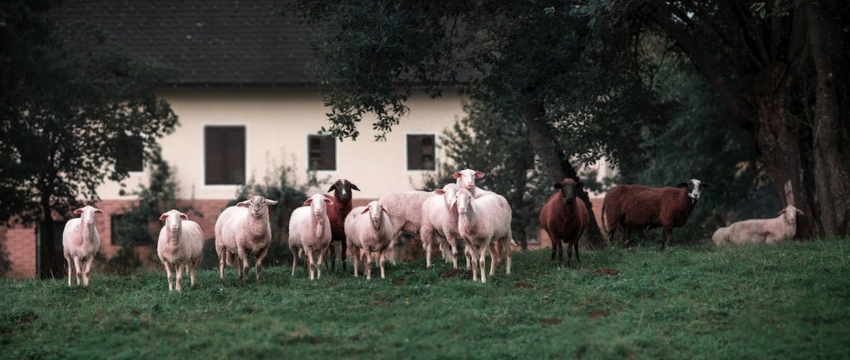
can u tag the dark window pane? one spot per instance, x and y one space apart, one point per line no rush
130 154
321 152
224 155
421 152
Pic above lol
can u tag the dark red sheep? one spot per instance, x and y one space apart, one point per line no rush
336 214
637 207
565 218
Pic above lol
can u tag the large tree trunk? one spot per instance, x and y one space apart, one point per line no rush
777 138
830 159
556 163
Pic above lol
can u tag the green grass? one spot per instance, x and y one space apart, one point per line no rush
791 300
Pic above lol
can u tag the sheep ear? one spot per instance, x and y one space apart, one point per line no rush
332 188
78 211
681 185
454 205
245 203
354 187
329 201
365 210
439 192
456 175
98 211
479 174
557 186
703 186
271 202
163 216
781 211
182 216
308 202
385 210
800 212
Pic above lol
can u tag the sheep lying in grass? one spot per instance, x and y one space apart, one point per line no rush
80 243
758 231
243 230
637 207
439 224
481 221
180 244
310 233
368 229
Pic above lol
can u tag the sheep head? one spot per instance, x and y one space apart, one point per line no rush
173 220
791 213
694 187
374 209
449 193
568 189
462 201
318 204
466 178
257 205
88 214
342 188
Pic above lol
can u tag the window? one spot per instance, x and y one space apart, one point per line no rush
130 154
321 152
420 152
224 155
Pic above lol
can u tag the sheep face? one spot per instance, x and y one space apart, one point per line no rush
694 187
374 209
462 201
343 189
257 205
87 214
568 189
466 178
318 204
173 220
791 213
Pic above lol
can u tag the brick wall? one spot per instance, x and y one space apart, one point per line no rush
20 242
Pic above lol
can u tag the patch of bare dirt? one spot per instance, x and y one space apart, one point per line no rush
452 273
607 271
550 321
598 314
522 285
400 282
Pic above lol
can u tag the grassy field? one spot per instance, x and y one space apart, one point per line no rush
786 301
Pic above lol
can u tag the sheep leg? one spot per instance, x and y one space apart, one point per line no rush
668 234
355 257
259 263
192 271
367 266
508 254
294 260
221 257
168 275
570 255
342 254
179 283
310 262
494 258
627 234
453 244
319 264
473 256
87 270
243 264
482 263
78 268
578 258
381 261
331 264
70 268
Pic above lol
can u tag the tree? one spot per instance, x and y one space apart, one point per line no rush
69 106
528 62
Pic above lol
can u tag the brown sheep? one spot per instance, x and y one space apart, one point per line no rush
336 214
565 218
637 207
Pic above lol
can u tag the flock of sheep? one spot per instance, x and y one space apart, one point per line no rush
458 212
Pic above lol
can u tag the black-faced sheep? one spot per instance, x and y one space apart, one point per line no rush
637 207
758 231
565 219
337 212
80 243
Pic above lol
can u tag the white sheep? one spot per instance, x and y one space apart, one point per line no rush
243 230
368 229
181 243
80 243
481 221
760 230
405 210
310 232
439 224
466 180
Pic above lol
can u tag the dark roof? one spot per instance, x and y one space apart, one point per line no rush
212 42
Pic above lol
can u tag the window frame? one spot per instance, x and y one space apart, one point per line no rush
335 153
203 154
407 164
